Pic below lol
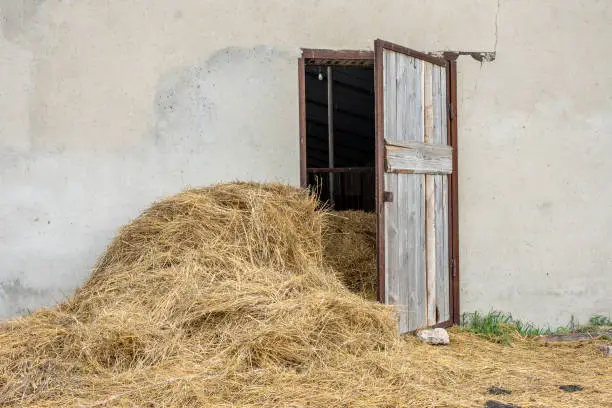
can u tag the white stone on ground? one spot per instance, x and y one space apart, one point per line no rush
434 336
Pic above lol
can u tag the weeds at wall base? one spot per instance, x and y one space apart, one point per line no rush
501 327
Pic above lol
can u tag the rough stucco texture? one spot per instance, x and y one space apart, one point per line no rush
106 106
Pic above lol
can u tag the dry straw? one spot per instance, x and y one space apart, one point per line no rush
350 249
226 296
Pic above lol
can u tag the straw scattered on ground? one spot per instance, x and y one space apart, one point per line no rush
222 296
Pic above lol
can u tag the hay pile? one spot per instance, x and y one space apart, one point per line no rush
221 297
350 249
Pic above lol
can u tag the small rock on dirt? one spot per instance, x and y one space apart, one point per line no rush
434 336
497 404
571 388
499 391
606 350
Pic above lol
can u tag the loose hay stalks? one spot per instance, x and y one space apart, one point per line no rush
350 249
224 296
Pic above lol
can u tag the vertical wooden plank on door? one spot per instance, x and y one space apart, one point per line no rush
390 180
442 258
417 274
404 189
415 249
430 220
442 278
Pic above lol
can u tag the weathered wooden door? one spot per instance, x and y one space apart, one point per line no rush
415 161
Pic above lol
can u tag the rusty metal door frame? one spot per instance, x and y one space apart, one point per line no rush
369 58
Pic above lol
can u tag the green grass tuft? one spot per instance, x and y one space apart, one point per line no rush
596 323
501 327
600 320
498 326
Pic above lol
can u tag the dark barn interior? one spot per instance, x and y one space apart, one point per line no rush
344 179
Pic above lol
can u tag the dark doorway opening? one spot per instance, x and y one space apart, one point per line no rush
340 132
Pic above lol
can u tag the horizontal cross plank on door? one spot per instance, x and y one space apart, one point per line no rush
418 158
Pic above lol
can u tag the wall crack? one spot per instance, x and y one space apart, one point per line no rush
497 26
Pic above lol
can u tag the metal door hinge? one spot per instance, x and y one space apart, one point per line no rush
388 197
451 112
453 268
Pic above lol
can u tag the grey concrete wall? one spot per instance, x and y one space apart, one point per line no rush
106 106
